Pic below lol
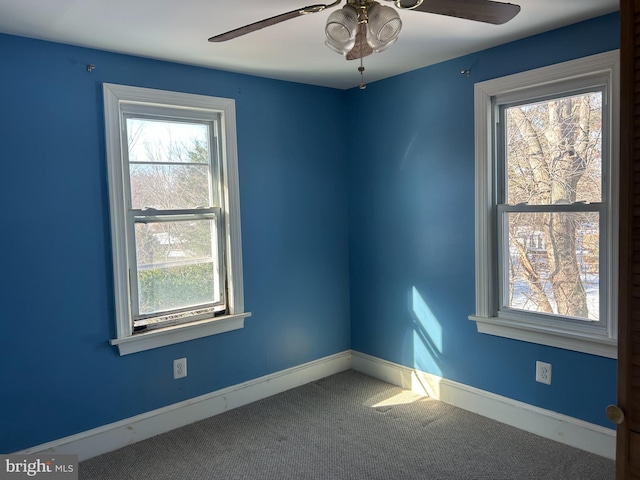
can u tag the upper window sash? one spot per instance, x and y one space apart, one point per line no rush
597 82
176 115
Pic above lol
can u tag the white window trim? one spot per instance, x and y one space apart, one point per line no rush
603 343
114 97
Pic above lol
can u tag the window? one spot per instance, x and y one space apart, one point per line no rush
175 218
546 205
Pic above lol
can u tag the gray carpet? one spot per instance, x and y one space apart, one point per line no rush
348 426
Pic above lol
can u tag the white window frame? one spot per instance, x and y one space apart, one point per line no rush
121 100
543 81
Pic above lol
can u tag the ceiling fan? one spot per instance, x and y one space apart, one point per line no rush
362 27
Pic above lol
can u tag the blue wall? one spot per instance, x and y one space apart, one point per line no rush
412 230
58 374
363 244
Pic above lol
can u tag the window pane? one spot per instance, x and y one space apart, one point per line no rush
167 187
165 141
553 263
554 151
177 264
169 164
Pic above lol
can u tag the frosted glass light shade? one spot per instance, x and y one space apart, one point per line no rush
383 27
341 29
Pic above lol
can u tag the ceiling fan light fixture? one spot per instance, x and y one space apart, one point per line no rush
383 27
341 29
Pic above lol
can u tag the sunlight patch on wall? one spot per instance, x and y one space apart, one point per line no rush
427 336
427 321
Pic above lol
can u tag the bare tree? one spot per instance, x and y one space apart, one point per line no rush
553 152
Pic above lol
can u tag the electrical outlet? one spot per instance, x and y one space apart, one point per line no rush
543 372
179 368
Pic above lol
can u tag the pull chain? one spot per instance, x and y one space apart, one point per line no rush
361 70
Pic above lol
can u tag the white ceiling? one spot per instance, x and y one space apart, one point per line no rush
177 30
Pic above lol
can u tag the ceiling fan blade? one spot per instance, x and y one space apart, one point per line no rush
267 22
486 11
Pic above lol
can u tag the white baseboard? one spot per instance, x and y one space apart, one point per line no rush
108 438
545 423
562 428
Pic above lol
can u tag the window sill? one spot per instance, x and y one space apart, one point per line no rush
545 335
179 333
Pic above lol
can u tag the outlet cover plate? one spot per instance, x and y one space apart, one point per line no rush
179 368
543 372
